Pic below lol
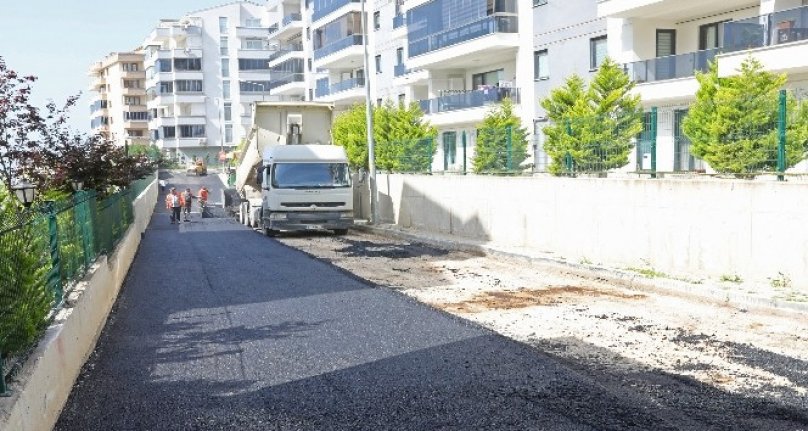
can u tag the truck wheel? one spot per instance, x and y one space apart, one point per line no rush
270 232
340 232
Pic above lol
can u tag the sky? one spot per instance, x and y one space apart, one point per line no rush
58 40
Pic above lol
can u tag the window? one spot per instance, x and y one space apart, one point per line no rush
402 99
228 112
225 68
308 33
710 36
129 67
246 110
400 56
192 131
226 89
132 100
223 45
169 132
377 21
155 134
378 64
539 3
311 94
136 116
228 133
222 24
253 44
487 78
164 65
252 22
166 87
185 64
665 43
253 86
310 175
132 83
253 64
540 66
449 149
597 52
189 85
309 65
135 133
378 102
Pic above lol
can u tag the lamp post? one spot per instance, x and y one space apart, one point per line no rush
25 192
374 198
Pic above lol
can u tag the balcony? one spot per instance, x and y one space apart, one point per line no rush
671 67
467 99
323 8
252 32
292 84
778 40
179 53
345 53
399 27
343 93
495 38
253 53
672 10
284 53
404 76
290 25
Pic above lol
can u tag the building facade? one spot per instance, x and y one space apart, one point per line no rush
118 100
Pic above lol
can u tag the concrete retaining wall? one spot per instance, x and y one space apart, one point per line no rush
41 389
706 227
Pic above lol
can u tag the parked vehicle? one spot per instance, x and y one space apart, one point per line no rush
289 177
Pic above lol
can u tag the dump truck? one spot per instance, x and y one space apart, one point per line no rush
289 176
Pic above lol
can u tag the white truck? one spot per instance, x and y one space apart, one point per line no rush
289 177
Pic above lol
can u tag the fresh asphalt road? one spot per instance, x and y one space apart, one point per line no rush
218 327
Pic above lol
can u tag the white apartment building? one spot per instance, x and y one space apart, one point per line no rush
203 72
664 42
118 100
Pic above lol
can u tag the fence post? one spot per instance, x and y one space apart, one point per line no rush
55 275
509 148
80 199
653 142
781 136
463 140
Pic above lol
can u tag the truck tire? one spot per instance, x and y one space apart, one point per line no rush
270 232
340 232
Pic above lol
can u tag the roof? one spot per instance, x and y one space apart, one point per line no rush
305 153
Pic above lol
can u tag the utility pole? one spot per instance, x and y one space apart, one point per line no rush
374 197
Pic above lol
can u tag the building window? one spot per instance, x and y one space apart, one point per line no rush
449 149
228 112
253 64
400 56
252 22
539 3
540 66
189 85
166 87
132 83
378 64
378 102
186 64
132 100
226 89
129 67
225 68
254 86
309 64
311 94
223 45
228 133
710 36
308 33
192 131
487 78
253 44
377 21
169 132
222 24
136 116
402 99
665 43
164 65
597 52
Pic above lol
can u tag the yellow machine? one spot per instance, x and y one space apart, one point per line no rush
200 168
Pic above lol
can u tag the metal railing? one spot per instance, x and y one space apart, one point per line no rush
454 36
325 7
346 85
468 99
776 28
398 21
286 79
286 49
292 17
670 67
352 40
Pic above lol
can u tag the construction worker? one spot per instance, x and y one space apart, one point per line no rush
203 197
187 199
174 204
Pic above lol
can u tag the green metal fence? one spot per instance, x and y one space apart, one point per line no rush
44 252
406 155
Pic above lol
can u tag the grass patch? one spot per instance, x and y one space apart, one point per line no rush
731 278
649 272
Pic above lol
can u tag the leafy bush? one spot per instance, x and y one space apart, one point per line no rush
493 151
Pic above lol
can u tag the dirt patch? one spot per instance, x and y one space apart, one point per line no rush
513 299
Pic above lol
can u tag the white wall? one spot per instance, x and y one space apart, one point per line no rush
697 227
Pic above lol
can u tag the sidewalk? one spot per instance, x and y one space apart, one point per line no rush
740 295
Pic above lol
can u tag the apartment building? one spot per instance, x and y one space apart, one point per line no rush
203 72
665 42
118 100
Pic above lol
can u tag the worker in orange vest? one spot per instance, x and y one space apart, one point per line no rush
203 197
174 203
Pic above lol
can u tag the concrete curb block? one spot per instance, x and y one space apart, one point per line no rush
626 278
41 389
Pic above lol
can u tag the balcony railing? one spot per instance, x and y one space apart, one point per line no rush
286 49
286 79
671 67
292 17
468 99
347 85
325 7
398 21
321 88
274 28
775 28
337 46
486 26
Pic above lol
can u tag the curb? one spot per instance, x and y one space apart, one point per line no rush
626 278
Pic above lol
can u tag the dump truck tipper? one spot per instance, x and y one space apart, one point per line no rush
289 177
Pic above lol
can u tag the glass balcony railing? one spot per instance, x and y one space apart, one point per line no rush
671 67
347 85
486 26
325 7
337 46
398 21
292 17
773 29
400 70
468 99
321 88
285 49
274 28
285 79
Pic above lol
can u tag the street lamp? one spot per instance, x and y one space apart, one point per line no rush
77 184
25 192
374 197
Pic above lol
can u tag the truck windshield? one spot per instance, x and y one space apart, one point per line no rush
310 175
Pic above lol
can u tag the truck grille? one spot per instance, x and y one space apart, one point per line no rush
309 204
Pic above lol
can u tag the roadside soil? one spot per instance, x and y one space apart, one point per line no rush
621 337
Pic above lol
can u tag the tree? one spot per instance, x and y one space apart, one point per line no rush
404 142
19 122
501 141
592 126
733 125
